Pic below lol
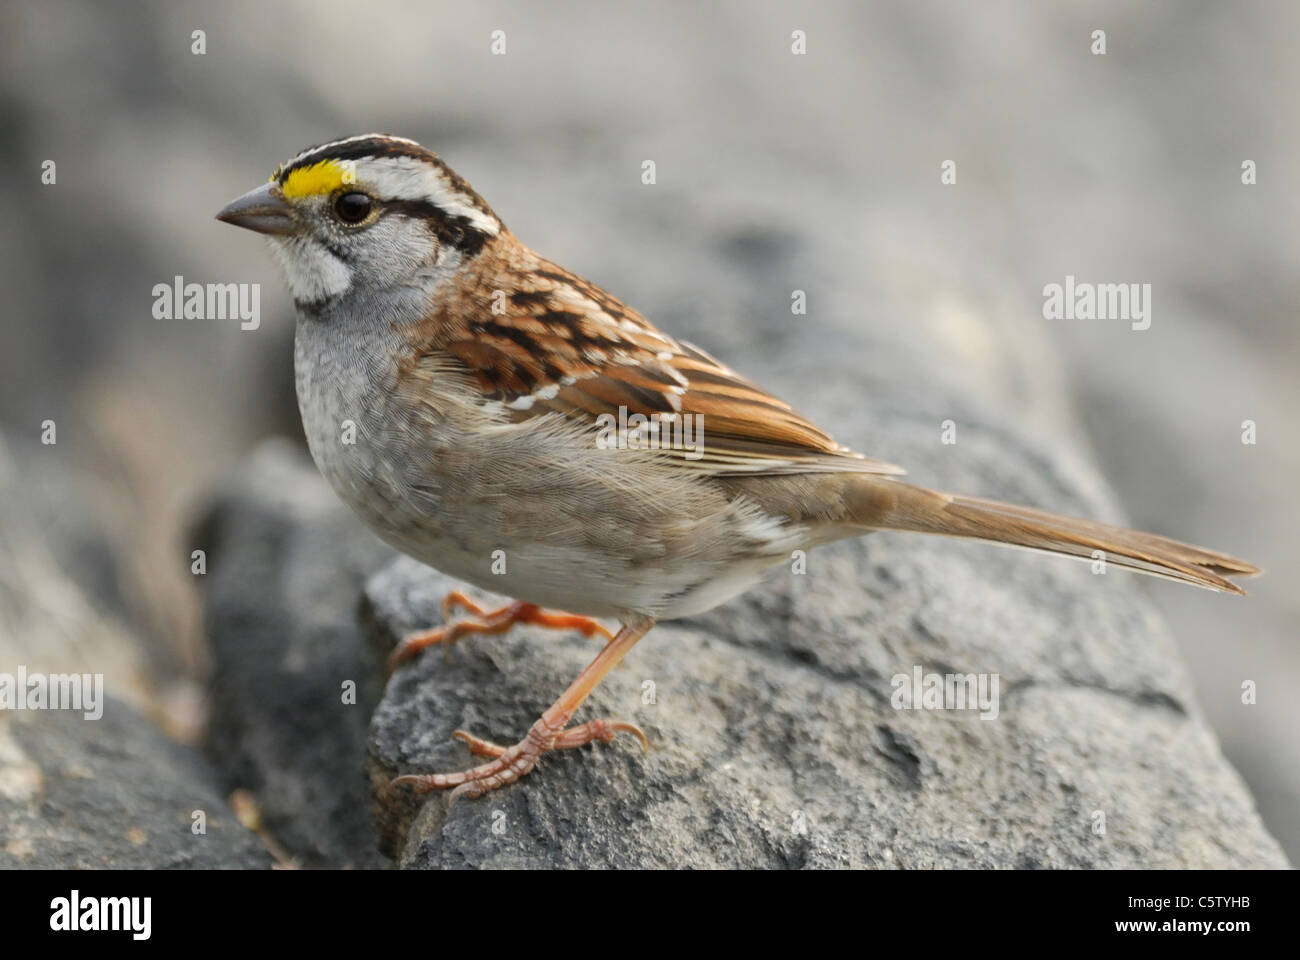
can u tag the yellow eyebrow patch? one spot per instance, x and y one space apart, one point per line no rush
324 177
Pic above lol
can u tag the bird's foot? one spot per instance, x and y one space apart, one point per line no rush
508 764
485 621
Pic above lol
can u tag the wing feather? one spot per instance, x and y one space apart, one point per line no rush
564 346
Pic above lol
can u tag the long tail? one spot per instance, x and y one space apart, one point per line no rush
890 504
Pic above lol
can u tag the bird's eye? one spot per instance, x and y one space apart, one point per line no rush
353 207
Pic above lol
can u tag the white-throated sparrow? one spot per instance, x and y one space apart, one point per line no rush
499 418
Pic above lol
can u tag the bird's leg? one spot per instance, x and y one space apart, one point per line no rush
508 764
485 621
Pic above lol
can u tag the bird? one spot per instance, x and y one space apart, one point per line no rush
499 418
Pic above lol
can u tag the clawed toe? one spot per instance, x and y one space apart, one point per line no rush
478 746
603 730
457 599
509 764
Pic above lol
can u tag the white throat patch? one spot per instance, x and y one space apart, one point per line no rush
312 272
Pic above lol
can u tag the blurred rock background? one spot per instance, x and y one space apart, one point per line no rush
775 172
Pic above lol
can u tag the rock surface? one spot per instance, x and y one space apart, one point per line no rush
112 792
60 610
293 681
78 792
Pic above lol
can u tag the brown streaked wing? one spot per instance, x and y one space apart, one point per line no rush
566 346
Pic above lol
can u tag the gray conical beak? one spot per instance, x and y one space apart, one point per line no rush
263 210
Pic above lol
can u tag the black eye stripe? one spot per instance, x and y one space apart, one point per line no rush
418 209
453 230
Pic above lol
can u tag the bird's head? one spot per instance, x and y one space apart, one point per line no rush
371 211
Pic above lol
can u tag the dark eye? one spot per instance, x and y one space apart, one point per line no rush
353 207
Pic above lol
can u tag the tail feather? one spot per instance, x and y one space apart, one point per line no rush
899 506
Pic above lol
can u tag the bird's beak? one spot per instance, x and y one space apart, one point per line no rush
263 210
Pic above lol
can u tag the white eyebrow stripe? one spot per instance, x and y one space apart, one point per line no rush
406 178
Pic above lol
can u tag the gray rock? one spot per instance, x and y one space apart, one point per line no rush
285 567
59 609
76 792
112 792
